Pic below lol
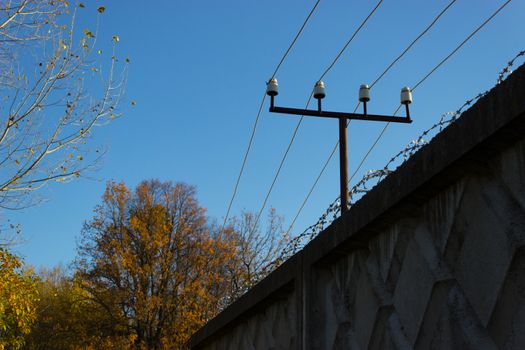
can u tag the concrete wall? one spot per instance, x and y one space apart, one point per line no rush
432 258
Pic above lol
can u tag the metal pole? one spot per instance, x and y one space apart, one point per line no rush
343 117
343 164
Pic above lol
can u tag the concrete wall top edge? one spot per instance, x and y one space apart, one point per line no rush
493 123
277 282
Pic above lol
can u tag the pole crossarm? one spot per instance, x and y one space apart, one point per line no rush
340 115
364 97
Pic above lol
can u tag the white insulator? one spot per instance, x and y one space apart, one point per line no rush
406 95
319 90
272 87
364 93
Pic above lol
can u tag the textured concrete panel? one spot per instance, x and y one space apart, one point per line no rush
270 328
487 251
507 323
413 290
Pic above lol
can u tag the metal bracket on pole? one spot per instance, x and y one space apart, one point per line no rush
364 96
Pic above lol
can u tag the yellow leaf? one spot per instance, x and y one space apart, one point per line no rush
101 9
88 33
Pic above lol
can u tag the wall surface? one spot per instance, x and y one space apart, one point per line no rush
432 258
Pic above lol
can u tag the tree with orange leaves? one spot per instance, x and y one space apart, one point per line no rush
151 261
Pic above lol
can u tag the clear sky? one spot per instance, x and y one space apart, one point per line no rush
198 72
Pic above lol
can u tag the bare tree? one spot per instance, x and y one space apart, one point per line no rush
258 250
47 115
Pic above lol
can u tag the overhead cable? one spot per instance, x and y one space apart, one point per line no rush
385 71
250 142
330 66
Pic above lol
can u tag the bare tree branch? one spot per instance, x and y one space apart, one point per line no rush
50 116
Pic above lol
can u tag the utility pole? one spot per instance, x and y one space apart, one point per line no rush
272 90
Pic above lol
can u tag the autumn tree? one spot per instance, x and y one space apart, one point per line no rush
67 318
152 262
59 310
47 116
18 298
54 94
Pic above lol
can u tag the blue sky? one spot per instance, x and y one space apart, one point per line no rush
197 74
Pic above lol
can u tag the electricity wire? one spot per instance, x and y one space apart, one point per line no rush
295 243
378 138
385 71
295 39
285 155
446 119
350 40
250 142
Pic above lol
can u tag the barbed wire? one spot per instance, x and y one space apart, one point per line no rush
377 80
382 132
365 184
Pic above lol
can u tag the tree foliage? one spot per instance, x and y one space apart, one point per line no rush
18 297
47 114
67 318
149 258
151 270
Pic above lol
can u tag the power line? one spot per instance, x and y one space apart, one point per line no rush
378 138
425 31
350 40
409 150
462 43
307 103
385 71
295 39
260 110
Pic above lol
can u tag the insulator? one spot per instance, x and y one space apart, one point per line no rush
406 95
272 87
364 93
319 90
